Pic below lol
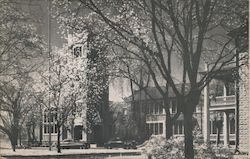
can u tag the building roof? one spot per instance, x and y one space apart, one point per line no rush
226 73
152 93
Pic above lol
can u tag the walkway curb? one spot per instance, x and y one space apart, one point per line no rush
72 154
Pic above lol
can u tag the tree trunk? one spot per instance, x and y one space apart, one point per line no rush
13 139
13 144
168 122
20 137
218 137
188 128
33 134
219 125
58 140
29 136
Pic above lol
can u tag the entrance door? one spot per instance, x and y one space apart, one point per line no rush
78 132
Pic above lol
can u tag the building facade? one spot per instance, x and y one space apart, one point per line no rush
91 122
150 115
215 115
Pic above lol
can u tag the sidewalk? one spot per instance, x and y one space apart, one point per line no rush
45 153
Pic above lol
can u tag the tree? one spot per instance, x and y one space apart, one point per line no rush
20 46
123 123
159 31
64 87
34 120
16 102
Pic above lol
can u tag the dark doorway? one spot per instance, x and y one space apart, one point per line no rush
64 132
78 132
98 135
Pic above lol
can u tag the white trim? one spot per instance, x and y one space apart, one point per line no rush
158 121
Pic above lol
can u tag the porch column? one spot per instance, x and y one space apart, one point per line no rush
164 128
84 136
69 136
206 113
226 129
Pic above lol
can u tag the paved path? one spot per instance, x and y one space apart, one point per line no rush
38 152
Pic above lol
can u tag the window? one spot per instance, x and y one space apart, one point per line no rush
178 128
147 130
181 128
125 111
219 89
144 107
45 128
173 106
230 88
155 128
156 108
53 125
53 128
232 126
151 108
161 128
147 109
221 129
213 129
213 126
160 107
77 51
45 117
152 128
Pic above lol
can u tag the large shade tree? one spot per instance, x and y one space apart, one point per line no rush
20 50
16 102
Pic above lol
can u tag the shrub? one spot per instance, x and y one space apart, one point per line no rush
203 150
158 147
